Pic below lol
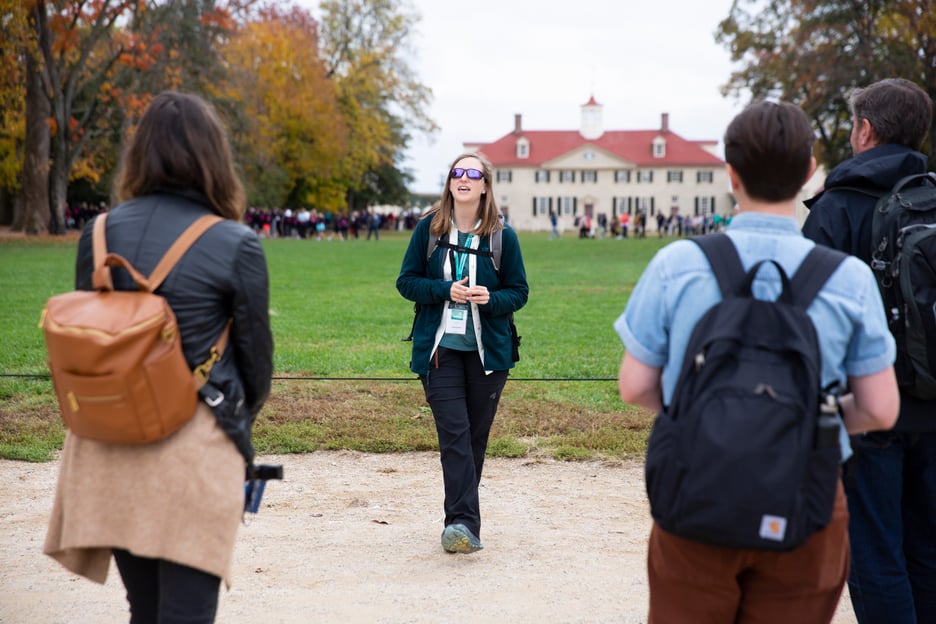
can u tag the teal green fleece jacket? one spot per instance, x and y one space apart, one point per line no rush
422 281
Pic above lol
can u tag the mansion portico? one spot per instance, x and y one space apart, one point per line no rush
591 171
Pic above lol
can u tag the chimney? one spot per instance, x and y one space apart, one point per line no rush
664 123
517 125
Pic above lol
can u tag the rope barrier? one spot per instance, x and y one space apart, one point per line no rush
278 378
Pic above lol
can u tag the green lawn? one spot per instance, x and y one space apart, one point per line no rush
338 322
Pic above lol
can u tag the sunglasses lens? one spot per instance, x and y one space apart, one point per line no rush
473 174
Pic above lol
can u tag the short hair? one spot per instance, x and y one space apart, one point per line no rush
769 144
180 143
443 211
899 111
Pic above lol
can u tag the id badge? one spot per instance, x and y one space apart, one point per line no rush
457 320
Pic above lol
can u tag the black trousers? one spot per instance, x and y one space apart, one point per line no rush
162 592
463 401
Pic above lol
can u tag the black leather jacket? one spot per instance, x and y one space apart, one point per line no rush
222 276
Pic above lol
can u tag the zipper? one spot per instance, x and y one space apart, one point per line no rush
74 400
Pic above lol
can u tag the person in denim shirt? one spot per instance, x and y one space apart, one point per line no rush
769 157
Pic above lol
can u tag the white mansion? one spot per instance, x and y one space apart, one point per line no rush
591 171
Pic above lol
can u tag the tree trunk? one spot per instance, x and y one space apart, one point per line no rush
32 215
58 184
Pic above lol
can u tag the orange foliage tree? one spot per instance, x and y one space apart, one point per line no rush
17 47
290 135
82 45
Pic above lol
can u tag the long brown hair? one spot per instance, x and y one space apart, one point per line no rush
443 211
180 143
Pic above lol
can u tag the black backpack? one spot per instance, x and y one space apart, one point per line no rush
747 453
903 258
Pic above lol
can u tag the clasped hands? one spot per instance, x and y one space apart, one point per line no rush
462 293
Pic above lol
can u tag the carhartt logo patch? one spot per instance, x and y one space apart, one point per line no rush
773 527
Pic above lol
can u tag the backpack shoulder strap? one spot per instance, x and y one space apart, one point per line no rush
102 274
816 269
99 239
179 247
431 245
497 245
724 259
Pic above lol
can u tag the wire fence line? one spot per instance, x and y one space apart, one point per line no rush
327 378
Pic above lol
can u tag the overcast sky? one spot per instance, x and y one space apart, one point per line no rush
487 60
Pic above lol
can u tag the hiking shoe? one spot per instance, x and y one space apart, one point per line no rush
457 538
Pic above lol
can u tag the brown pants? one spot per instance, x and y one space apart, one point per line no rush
695 583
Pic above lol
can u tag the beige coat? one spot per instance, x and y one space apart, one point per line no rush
179 499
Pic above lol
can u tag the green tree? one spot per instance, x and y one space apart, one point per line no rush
812 52
365 48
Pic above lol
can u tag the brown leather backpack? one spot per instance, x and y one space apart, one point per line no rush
116 356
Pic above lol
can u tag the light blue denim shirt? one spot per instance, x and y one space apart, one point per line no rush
678 287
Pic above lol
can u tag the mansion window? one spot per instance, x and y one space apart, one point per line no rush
622 175
645 205
705 176
567 205
645 175
633 206
566 176
542 175
590 175
504 175
541 206
523 148
674 176
704 205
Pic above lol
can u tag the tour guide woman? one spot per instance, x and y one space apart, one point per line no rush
462 339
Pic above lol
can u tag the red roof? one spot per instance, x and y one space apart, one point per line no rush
634 146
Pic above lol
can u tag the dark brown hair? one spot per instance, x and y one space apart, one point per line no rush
769 144
180 143
899 111
442 212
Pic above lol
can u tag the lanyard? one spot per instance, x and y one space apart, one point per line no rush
461 258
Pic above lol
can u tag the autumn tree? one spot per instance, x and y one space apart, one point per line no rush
366 49
80 48
18 61
812 52
290 136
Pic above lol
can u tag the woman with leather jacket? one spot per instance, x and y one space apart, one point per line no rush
168 511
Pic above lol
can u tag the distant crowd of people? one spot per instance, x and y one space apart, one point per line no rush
284 222
621 227
77 214
313 224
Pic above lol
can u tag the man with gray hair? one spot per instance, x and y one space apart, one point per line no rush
890 481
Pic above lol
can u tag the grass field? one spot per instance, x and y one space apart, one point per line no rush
341 370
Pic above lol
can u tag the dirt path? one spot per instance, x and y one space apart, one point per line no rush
352 537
